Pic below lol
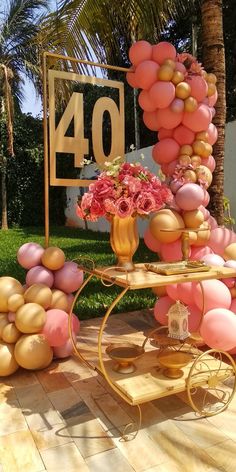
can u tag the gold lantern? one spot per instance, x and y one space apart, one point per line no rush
178 321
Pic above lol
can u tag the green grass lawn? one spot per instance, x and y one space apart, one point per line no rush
76 242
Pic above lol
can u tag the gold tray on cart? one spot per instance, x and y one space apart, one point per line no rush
181 267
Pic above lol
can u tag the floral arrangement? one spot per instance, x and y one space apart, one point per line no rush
123 189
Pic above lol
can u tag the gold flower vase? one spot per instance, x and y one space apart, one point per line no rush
124 240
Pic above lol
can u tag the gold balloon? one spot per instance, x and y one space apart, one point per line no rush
33 352
159 291
53 258
186 149
190 176
30 318
39 293
199 147
166 219
184 160
165 73
192 237
230 252
211 89
233 292
204 74
59 300
8 286
207 151
15 301
3 322
190 104
204 174
196 161
10 334
202 136
203 236
170 63
177 77
8 364
193 218
211 78
182 90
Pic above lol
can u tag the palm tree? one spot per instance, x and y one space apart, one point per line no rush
19 58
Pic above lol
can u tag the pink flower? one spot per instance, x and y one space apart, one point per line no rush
86 201
124 207
145 203
110 206
80 213
97 209
103 187
134 185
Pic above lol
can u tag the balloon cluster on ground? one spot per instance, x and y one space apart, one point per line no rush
177 97
34 317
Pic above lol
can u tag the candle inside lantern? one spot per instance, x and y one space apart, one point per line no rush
178 321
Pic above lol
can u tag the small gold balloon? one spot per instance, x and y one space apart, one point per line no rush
39 293
193 218
199 147
53 258
8 286
177 77
15 301
204 74
170 63
211 78
182 90
3 322
192 237
211 89
208 149
190 176
186 149
165 73
202 236
190 104
196 161
166 219
202 136
204 174
184 160
10 334
33 352
230 252
59 300
159 291
8 364
30 318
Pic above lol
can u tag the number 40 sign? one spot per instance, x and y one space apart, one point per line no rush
78 145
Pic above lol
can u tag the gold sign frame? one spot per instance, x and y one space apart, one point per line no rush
51 133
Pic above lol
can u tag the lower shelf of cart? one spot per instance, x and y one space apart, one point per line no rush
148 382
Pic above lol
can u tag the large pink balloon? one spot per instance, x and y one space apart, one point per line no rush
198 87
212 134
69 278
145 102
210 163
197 253
218 329
152 243
171 167
162 94
165 151
169 119
205 212
213 259
55 329
177 106
206 198
220 238
61 352
199 119
189 197
39 275
212 222
161 308
29 255
146 74
131 79
140 51
183 135
172 291
165 133
233 308
194 318
216 294
230 263
171 251
185 292
163 51
230 282
151 121
70 299
180 67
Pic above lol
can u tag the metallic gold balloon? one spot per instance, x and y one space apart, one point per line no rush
53 258
186 149
170 63
211 78
211 89
196 161
166 219
204 174
230 252
165 73
202 236
15 301
8 286
177 77
30 318
207 151
10 334
184 160
190 176
8 364
193 219
39 293
202 136
190 104
33 352
59 300
192 237
199 147
182 90
159 291
3 322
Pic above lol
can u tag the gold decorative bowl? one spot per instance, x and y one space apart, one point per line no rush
124 354
174 361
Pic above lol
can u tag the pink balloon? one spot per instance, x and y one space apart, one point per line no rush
163 51
171 167
55 329
70 299
146 74
230 263
11 317
145 102
151 242
212 133
213 259
189 197
205 212
212 222
206 198
162 93
185 292
69 278
161 308
61 352
171 251
213 112
131 79
198 87
175 185
151 121
216 294
177 106
194 318
140 51
233 308
220 238
180 67
164 169
29 255
165 151
165 133
173 206
199 119
169 119
172 291
230 282
75 323
218 329
210 163
213 99
183 135
197 253
39 275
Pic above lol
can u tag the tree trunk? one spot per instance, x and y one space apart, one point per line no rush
4 193
214 61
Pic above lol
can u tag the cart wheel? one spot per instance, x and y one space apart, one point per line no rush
211 382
